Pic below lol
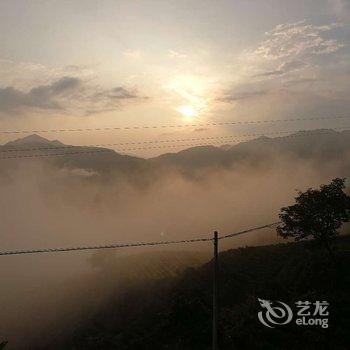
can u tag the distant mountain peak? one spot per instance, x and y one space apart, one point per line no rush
33 139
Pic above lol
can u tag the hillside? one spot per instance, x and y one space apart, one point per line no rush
176 313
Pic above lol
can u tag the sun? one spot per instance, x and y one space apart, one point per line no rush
188 111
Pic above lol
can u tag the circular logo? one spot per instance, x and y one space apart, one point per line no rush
274 313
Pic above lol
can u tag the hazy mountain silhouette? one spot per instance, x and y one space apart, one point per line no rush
319 145
60 154
33 141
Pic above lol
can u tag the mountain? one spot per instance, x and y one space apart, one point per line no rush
194 157
60 154
319 146
305 144
33 141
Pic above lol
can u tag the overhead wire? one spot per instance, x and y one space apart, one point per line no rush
249 230
345 128
239 122
108 246
104 150
129 245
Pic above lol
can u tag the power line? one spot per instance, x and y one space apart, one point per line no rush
249 230
128 245
109 246
242 122
57 154
106 150
51 148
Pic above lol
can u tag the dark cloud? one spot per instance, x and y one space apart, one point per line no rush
122 93
12 100
245 95
300 81
43 96
67 92
118 93
283 69
64 84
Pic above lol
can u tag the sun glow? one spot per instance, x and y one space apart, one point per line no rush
188 96
187 111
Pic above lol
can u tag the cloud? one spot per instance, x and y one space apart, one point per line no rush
294 40
120 93
284 68
66 93
43 96
107 100
291 55
57 88
232 96
63 85
297 69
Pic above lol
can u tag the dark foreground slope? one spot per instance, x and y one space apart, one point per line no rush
176 313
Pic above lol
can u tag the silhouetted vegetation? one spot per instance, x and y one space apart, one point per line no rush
318 214
175 313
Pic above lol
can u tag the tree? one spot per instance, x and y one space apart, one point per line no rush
318 214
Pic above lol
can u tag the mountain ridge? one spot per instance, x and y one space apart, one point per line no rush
319 145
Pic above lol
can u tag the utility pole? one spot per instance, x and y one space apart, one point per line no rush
215 293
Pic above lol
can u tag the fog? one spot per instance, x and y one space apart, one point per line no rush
45 297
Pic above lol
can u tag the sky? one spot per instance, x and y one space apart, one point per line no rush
115 63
